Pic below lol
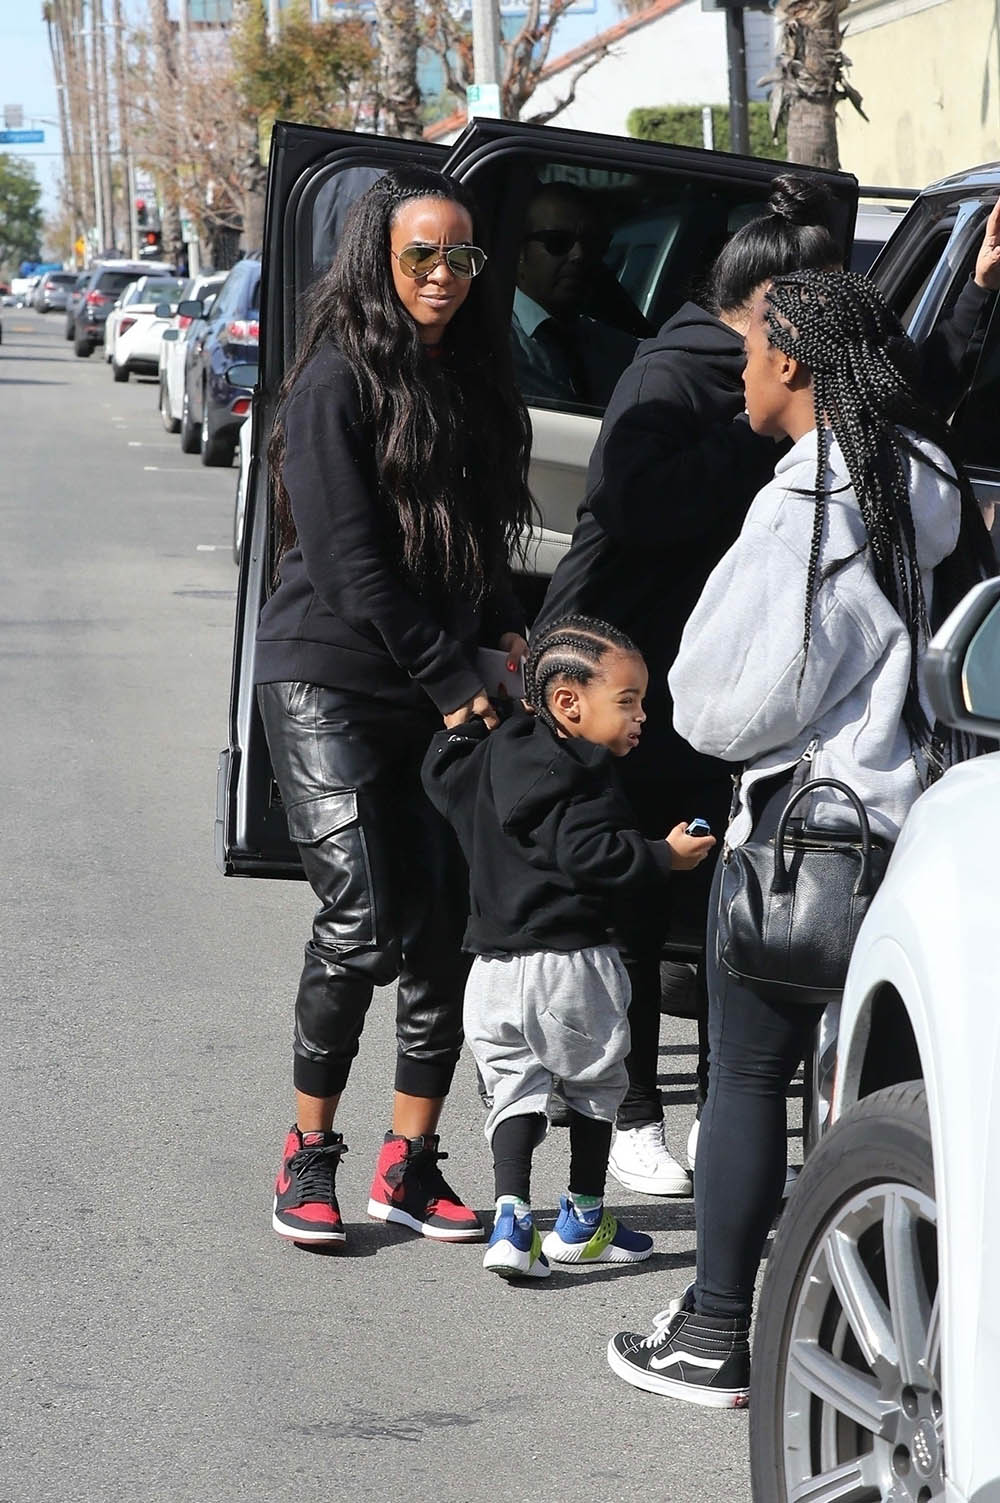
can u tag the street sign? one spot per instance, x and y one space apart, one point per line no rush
21 137
484 100
13 116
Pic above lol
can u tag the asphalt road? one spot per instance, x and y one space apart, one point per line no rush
160 1342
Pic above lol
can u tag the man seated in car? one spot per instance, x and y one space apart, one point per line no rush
559 352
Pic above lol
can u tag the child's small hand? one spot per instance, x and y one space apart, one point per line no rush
687 851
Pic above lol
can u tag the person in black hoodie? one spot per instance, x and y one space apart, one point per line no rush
670 480
399 465
555 869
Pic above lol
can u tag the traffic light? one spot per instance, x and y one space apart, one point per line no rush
152 243
141 213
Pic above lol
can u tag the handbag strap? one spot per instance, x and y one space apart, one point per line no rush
782 879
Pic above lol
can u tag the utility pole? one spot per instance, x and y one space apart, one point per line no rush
273 20
736 50
485 41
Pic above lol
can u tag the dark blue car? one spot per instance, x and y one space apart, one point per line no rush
212 409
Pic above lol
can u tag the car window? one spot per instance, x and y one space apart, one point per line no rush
163 289
63 278
253 297
112 282
602 258
975 423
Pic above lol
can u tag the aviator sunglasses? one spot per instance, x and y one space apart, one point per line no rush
463 261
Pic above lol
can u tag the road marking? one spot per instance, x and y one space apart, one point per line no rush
166 469
211 547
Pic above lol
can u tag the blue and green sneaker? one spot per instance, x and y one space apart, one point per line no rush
515 1248
593 1236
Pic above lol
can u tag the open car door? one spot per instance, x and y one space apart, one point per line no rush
663 213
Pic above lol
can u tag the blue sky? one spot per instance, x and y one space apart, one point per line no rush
26 75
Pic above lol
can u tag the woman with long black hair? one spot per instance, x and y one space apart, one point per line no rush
399 468
807 642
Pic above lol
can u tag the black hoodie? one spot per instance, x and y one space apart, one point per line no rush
553 855
669 483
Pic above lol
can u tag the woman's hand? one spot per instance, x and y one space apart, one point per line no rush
516 648
478 705
687 851
987 272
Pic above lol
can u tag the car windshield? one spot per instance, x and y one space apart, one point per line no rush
163 290
113 281
63 278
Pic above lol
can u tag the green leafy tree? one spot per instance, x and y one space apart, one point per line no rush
681 125
20 212
313 72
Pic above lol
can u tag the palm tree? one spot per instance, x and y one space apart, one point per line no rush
810 79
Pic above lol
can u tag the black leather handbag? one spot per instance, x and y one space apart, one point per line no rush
790 908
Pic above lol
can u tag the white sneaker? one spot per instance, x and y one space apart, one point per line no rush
641 1161
791 1171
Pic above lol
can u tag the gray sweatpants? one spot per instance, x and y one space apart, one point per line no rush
530 1017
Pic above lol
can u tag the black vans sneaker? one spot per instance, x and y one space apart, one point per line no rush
702 1358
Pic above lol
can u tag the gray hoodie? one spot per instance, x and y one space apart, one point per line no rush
735 682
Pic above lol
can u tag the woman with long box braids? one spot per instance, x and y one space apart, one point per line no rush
399 465
808 636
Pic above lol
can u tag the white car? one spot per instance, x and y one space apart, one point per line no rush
133 331
877 1340
172 351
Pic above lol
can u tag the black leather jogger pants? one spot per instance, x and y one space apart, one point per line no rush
390 879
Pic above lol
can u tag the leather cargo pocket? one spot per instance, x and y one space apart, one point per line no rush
335 856
315 818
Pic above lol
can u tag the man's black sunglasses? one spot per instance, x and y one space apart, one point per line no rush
561 242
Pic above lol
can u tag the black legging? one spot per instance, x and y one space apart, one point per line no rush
756 1046
515 1139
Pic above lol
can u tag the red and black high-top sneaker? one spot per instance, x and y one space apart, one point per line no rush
305 1195
410 1189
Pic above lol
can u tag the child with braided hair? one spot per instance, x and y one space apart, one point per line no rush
807 640
554 858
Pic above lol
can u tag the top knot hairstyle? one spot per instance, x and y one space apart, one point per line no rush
839 327
452 434
571 647
795 232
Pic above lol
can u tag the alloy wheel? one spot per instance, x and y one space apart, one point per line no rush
862 1394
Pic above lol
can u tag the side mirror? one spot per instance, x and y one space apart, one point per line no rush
191 308
170 334
962 667
243 376
163 310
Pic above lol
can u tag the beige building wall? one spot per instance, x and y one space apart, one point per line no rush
929 75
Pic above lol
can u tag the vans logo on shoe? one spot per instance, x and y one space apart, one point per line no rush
688 1359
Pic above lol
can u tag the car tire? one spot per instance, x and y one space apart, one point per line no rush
217 449
82 347
120 372
832 1395
190 431
169 422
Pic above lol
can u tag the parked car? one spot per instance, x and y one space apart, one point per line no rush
52 291
212 410
139 326
105 282
115 314
73 296
202 288
876 1349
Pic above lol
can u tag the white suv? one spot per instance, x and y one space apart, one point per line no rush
877 1341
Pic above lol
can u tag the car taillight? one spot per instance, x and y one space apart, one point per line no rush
126 323
243 329
240 407
95 297
183 320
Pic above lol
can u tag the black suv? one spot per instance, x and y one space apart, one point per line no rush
666 211
213 410
94 302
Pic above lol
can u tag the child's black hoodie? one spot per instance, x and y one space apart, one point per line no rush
555 862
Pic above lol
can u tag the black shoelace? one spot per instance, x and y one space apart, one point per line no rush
315 1169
